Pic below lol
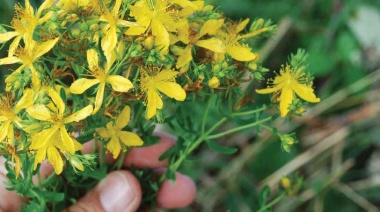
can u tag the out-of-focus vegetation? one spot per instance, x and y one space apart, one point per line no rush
339 150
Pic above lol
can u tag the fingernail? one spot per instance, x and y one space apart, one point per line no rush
116 193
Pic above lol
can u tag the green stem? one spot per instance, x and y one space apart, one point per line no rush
251 111
275 201
239 128
206 136
205 116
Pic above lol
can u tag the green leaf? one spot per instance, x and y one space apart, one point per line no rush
52 196
221 149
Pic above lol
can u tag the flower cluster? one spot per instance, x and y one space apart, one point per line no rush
110 69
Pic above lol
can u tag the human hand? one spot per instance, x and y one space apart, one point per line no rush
120 190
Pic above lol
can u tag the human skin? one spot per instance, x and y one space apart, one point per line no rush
120 190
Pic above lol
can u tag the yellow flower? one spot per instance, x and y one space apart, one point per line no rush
109 41
55 137
116 136
161 20
8 114
209 27
118 83
16 162
24 24
27 56
228 43
164 82
288 83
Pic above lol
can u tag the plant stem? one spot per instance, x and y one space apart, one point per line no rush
239 128
206 136
251 111
275 201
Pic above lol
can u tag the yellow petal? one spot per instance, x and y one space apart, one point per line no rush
40 140
79 115
44 47
185 57
124 117
103 132
10 60
28 8
114 146
286 99
269 90
172 90
16 160
4 130
92 59
46 17
116 8
130 139
4 37
241 25
99 97
25 101
213 44
77 146
45 5
57 101
13 46
305 92
40 157
10 134
67 141
126 23
211 27
81 85
241 53
154 103
162 36
110 40
119 83
165 75
39 112
55 159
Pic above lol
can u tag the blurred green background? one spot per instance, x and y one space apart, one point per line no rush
339 151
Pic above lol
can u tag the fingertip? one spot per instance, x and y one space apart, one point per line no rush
119 191
148 157
178 194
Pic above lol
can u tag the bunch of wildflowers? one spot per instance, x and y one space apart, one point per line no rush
109 70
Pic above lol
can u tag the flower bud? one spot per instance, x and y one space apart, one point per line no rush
214 82
252 66
149 42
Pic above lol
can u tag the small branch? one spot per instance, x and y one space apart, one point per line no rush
356 198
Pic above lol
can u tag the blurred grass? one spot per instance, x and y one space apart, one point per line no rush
343 177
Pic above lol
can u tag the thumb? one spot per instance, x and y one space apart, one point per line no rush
119 191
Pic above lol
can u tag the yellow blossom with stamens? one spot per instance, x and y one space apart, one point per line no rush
101 77
55 137
112 19
27 56
229 43
210 27
24 24
288 83
116 136
8 114
157 18
153 82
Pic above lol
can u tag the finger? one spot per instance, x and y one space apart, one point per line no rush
178 194
148 157
119 191
9 200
